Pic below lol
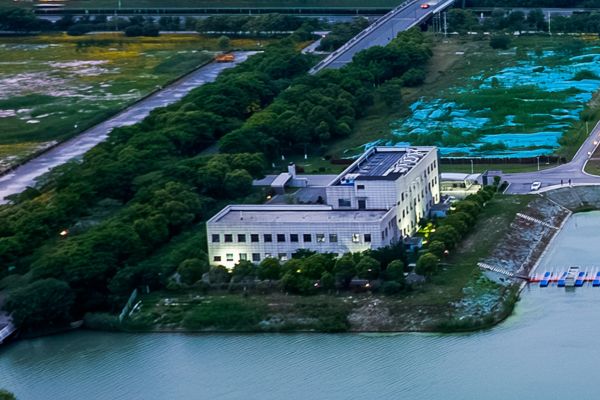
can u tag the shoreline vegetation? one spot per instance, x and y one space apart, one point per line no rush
139 224
245 312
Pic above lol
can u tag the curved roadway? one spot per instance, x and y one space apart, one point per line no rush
383 31
551 177
25 175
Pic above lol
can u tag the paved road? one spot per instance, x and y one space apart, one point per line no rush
383 31
25 175
550 178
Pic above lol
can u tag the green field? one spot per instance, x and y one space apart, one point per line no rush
54 86
217 3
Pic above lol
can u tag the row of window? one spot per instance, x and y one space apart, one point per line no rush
282 238
254 257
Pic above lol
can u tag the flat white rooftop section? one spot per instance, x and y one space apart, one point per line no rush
383 163
312 180
457 176
236 214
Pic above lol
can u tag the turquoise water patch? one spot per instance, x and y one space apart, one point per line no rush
520 111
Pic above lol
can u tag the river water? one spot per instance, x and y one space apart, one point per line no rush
547 349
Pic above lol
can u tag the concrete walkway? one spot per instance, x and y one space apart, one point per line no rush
20 178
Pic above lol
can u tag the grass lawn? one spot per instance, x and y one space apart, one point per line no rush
193 311
425 308
593 165
492 224
54 86
460 62
507 167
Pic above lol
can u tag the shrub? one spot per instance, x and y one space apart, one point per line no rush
297 282
395 272
427 264
344 270
224 43
101 322
368 268
39 304
447 235
500 42
191 270
269 268
6 395
437 248
391 287
218 274
414 77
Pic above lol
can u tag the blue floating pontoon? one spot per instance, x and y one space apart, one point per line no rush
545 280
580 279
596 281
561 280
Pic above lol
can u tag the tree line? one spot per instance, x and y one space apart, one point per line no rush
18 19
319 109
461 21
143 186
129 214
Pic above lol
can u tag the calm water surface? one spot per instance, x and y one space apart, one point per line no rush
547 350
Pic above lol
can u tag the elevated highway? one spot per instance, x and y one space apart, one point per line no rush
380 33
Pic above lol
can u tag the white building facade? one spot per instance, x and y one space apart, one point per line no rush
375 202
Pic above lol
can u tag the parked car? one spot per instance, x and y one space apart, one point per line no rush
536 186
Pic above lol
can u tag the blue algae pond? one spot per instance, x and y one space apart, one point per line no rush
521 110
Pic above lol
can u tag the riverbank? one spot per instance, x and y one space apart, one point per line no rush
460 298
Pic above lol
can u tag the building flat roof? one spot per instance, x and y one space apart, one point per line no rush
383 163
295 214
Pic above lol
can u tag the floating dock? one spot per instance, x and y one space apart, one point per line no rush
573 277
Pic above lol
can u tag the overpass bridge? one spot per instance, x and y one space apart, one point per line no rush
380 33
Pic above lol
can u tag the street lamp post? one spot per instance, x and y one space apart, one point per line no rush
472 171
538 162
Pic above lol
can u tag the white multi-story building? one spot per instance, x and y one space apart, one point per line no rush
375 202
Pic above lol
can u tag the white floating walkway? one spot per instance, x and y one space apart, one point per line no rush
537 221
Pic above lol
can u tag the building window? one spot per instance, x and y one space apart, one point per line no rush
333 237
268 238
243 257
360 187
228 238
356 237
280 237
217 258
241 238
344 203
320 238
368 237
293 237
254 238
283 256
256 257
229 256
216 238
307 237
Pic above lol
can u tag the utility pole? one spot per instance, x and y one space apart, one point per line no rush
445 25
549 20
